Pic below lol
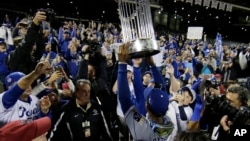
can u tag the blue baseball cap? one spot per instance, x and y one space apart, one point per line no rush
147 72
157 99
13 77
2 42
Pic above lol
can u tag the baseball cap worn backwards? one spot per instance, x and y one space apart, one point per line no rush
25 130
157 99
13 77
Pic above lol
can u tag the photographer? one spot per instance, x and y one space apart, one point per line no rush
93 67
221 111
237 98
27 54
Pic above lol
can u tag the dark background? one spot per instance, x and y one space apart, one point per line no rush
232 25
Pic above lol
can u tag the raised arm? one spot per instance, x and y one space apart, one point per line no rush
157 76
138 87
11 96
175 84
123 88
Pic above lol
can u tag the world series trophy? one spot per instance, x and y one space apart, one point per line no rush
137 27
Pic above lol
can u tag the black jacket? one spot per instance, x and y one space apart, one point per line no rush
70 125
22 60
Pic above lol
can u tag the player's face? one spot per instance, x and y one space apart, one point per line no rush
187 98
83 94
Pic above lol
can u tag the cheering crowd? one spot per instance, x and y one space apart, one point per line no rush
79 82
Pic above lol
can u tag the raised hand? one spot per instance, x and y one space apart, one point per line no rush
123 53
55 75
39 17
169 69
42 68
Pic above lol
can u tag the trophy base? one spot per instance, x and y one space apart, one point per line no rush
140 48
142 54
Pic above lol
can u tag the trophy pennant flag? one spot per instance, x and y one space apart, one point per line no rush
137 27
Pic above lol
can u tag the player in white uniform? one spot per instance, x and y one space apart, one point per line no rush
183 110
16 103
156 126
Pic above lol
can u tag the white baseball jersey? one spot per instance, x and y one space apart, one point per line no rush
142 128
21 110
171 114
182 124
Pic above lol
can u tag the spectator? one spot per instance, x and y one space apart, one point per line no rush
64 39
73 58
48 53
26 56
4 71
147 77
229 73
82 118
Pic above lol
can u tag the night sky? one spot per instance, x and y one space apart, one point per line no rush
229 23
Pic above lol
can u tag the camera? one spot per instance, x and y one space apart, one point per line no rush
50 13
57 68
211 84
219 106
93 48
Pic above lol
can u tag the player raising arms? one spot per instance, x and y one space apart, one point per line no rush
17 103
156 126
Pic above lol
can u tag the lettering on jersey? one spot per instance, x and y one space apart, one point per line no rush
29 113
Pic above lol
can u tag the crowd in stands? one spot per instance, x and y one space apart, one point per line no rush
81 78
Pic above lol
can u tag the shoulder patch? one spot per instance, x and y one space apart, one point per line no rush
138 117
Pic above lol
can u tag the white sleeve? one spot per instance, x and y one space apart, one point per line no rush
1 103
38 88
71 85
171 113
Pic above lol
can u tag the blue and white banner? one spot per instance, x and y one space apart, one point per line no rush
219 48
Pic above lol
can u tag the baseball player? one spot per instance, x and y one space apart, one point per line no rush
156 126
181 103
17 103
